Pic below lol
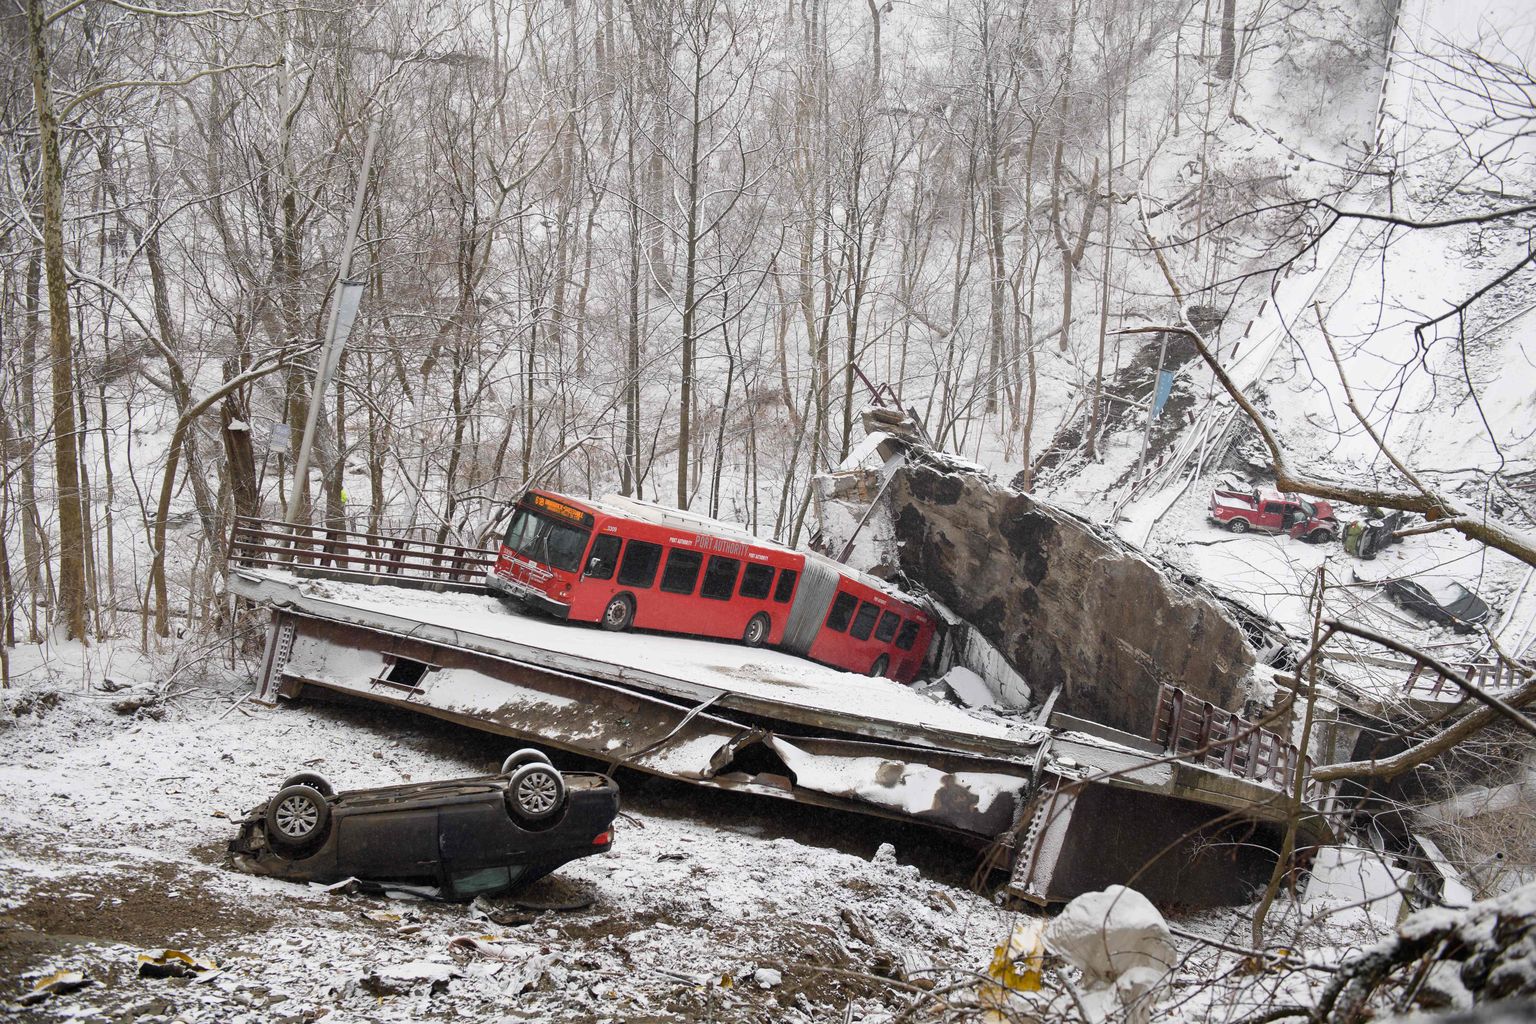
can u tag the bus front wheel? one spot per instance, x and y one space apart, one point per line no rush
619 614
881 664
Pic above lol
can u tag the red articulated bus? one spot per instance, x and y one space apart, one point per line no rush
627 563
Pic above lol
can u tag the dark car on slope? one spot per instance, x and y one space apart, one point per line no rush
1443 601
485 835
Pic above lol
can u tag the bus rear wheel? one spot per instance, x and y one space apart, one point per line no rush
757 631
619 614
881 664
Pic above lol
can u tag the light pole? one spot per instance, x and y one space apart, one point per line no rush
343 312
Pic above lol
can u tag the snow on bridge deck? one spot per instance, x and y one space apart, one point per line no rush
752 679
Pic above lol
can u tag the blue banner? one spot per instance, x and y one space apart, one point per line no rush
1164 389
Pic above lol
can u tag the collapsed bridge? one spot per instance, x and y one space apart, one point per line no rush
1066 804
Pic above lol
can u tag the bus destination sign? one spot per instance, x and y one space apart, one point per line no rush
561 509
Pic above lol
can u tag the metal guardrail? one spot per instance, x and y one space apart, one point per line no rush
1224 739
322 551
1425 681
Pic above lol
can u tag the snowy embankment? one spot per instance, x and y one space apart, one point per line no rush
1369 319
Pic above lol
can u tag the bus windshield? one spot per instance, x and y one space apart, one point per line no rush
544 540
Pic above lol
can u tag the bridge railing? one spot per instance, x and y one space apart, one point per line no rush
322 551
1224 739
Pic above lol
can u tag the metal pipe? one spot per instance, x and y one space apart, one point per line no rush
324 367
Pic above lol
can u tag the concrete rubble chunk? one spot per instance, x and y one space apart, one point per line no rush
1122 945
1354 880
1067 603
399 979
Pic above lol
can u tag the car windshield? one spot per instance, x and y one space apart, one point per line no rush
544 540
1308 509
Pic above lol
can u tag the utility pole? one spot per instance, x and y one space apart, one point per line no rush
343 312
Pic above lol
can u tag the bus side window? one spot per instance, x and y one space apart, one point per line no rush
682 571
720 578
864 621
887 628
842 611
757 581
604 558
786 587
640 562
908 635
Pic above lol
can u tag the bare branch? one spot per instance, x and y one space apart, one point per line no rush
158 12
1448 222
91 94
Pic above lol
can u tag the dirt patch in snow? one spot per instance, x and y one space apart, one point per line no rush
153 905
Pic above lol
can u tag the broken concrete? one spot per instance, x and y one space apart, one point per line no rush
1356 879
1069 604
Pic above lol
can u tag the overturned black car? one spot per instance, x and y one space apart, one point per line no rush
466 837
1444 601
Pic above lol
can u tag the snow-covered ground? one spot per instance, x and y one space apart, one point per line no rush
114 826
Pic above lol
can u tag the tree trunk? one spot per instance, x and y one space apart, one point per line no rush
690 284
71 578
239 456
7 598
1096 413
31 543
1227 62
725 413
995 199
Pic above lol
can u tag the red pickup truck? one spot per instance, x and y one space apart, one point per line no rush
1273 512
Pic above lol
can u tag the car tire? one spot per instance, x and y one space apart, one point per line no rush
314 780
297 818
535 792
518 758
758 628
1238 525
1319 537
619 614
881 664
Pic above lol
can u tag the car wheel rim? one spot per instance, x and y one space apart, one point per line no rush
536 793
296 817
